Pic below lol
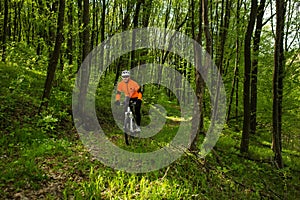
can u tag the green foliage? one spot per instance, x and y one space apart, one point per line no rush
23 54
42 156
41 153
108 184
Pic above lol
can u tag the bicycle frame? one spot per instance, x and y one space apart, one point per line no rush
129 122
129 118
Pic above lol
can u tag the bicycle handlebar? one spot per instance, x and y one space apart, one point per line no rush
132 103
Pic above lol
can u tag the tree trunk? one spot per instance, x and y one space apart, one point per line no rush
197 123
55 55
51 32
256 43
208 37
237 60
70 50
20 21
84 73
5 27
147 12
93 30
123 60
15 21
135 25
278 82
247 59
234 82
86 29
102 31
223 36
79 45
103 20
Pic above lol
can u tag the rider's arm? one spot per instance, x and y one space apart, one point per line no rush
118 95
138 90
140 94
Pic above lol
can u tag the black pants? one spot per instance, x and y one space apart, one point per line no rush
135 107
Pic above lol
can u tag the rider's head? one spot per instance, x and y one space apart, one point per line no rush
125 75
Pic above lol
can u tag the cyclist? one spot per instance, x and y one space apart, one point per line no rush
132 91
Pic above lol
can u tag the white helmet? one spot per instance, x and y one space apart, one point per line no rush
125 73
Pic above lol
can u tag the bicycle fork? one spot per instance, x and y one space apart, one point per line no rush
127 124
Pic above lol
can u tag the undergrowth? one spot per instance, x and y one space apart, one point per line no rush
42 156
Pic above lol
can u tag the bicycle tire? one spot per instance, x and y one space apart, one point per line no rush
126 129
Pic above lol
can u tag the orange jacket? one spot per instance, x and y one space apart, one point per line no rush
131 89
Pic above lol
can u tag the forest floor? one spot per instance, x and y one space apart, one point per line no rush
42 156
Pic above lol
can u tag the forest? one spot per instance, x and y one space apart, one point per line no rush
220 107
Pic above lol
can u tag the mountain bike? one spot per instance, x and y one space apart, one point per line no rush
129 121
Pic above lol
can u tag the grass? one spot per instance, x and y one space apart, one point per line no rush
42 156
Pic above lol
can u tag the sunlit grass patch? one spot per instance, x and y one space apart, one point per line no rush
111 184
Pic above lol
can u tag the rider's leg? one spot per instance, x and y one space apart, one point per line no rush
126 104
138 112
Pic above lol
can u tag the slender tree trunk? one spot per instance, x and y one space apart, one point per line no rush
146 13
39 29
79 40
237 60
102 31
20 21
198 118
70 50
51 36
135 25
85 72
146 10
103 20
234 82
208 37
123 61
163 52
27 26
9 22
33 27
223 36
5 28
247 73
208 40
278 81
254 74
55 55
15 21
237 99
98 6
93 30
1 8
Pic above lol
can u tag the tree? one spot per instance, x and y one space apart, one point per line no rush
55 54
135 25
70 34
247 75
5 29
256 43
197 124
103 20
223 35
278 82
80 36
84 73
235 81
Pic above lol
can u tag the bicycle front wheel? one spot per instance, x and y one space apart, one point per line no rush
126 130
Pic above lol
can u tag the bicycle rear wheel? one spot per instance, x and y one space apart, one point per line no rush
126 130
